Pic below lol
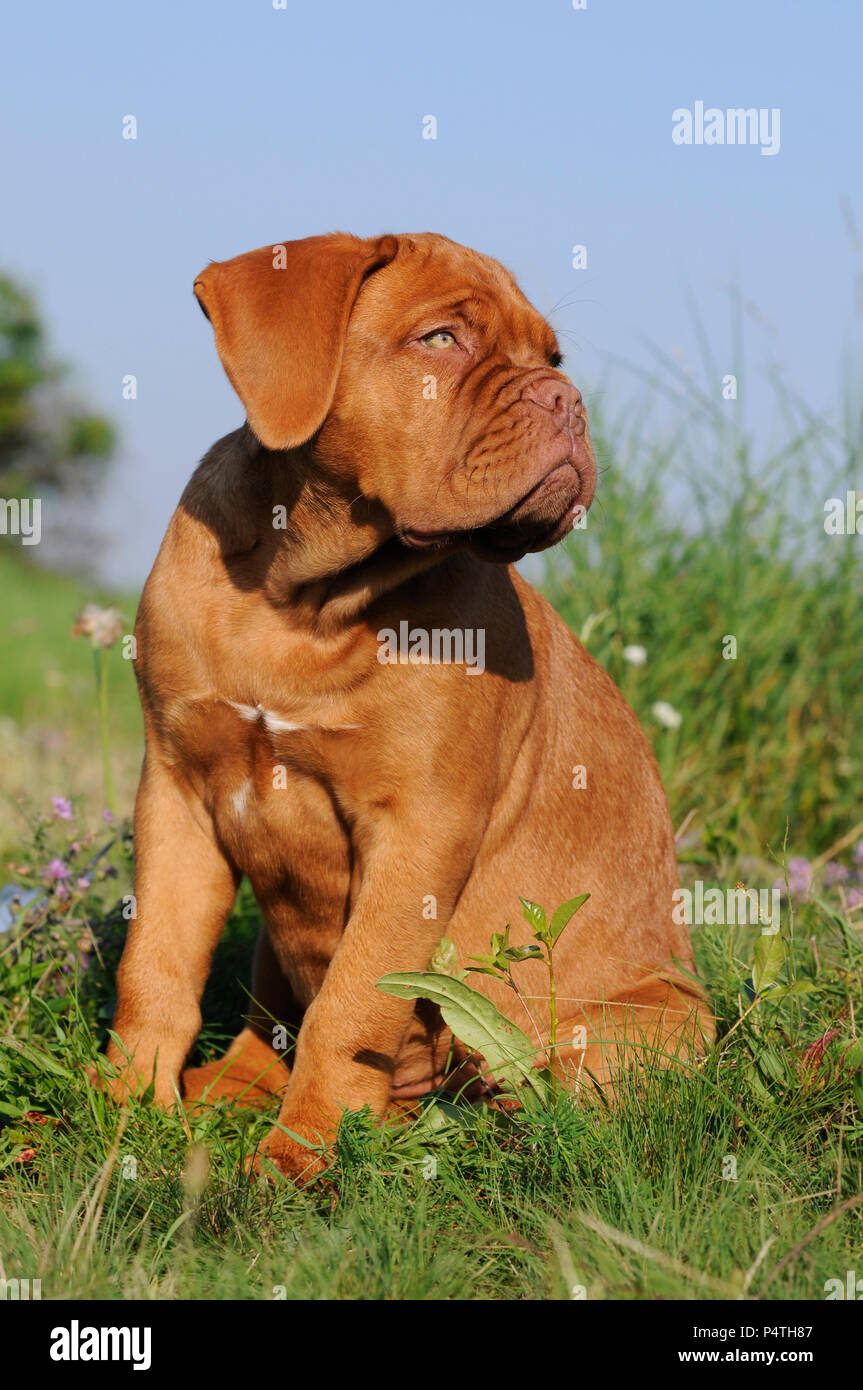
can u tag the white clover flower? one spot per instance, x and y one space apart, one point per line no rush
102 625
636 656
667 715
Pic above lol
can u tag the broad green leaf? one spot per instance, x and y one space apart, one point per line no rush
499 940
771 1065
798 987
853 1054
444 957
535 917
757 1084
475 1021
44 1061
523 953
565 913
769 960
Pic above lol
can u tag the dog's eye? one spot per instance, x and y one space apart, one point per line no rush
441 338
555 360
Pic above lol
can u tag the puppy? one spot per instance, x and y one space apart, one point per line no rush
352 697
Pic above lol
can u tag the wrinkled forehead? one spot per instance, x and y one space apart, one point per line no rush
433 281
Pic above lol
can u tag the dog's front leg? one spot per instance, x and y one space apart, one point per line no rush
184 890
348 1044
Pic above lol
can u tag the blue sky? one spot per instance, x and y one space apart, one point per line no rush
554 128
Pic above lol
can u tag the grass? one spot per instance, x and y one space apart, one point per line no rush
639 1201
49 728
625 1203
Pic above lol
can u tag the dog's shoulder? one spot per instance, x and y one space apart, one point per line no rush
225 491
215 518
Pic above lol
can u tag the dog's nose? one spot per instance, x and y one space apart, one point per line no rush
560 398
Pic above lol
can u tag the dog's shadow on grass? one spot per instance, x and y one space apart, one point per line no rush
226 1001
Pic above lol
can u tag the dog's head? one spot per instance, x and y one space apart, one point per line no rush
415 370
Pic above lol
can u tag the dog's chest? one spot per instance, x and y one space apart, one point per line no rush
264 776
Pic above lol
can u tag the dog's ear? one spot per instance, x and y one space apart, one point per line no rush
280 315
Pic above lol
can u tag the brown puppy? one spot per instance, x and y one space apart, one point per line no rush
407 424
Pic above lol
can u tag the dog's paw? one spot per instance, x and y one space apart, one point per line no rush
126 1083
120 1087
250 1074
280 1154
214 1081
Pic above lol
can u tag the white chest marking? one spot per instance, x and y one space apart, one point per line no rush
256 714
240 799
279 726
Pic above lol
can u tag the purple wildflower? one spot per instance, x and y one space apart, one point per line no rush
62 807
835 873
56 871
799 876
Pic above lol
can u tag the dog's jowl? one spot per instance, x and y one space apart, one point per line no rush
409 436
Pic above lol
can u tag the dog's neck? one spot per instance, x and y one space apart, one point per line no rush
338 551
316 548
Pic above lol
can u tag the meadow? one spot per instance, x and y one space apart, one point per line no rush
740 1176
